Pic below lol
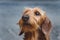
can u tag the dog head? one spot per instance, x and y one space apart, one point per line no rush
33 19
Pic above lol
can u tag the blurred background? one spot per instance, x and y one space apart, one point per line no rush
11 12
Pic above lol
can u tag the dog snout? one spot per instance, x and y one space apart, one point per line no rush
25 18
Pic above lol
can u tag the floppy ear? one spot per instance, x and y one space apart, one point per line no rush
21 33
46 26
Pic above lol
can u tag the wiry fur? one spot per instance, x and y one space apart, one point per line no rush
39 28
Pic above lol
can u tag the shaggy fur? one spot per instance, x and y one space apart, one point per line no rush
38 27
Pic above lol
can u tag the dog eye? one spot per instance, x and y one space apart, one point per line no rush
37 13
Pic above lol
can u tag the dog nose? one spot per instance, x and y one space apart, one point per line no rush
25 18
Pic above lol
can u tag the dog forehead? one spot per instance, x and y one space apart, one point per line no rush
27 10
39 10
32 10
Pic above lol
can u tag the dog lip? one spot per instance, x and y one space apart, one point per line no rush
27 24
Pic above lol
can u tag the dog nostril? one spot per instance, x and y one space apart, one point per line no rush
25 18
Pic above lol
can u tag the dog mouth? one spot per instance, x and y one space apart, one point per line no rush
26 24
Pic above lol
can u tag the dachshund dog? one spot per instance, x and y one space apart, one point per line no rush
35 24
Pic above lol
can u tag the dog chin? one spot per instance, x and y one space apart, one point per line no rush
27 24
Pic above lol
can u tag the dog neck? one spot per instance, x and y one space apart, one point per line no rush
35 35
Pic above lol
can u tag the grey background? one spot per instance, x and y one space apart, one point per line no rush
11 12
29 0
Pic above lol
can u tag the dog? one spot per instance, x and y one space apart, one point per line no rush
35 24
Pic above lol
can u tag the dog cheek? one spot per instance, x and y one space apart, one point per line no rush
40 21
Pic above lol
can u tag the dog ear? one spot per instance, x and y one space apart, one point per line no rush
21 33
46 26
